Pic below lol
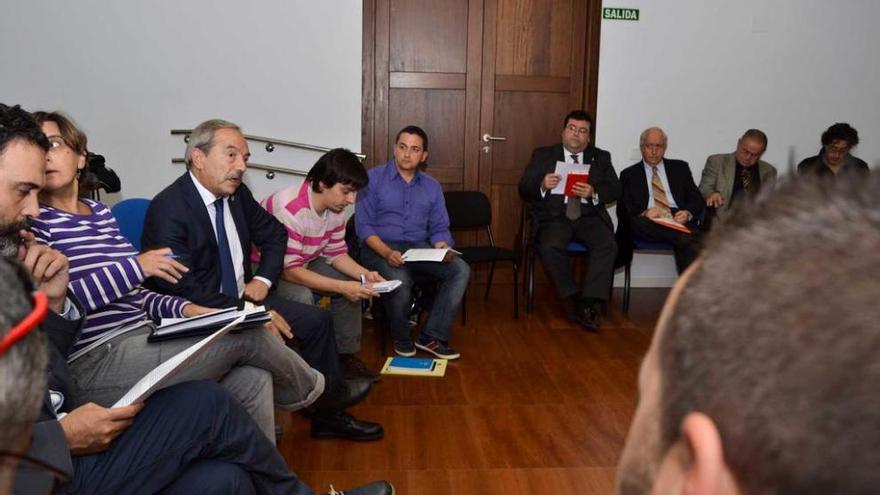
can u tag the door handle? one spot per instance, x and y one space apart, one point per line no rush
488 137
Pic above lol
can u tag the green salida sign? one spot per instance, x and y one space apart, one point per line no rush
620 14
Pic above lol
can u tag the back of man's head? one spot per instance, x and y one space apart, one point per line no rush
775 338
22 366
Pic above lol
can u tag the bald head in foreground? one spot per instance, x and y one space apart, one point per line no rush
774 389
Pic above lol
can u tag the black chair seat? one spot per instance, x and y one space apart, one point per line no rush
471 210
481 254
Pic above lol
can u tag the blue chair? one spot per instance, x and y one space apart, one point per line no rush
130 214
639 245
527 241
627 246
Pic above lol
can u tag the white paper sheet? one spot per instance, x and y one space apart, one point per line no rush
155 379
386 286
425 254
562 169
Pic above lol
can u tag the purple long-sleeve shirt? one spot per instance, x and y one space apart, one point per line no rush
104 273
398 211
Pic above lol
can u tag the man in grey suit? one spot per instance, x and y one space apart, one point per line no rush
731 178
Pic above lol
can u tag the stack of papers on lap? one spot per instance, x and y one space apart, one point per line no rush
386 286
426 254
162 374
172 328
672 224
414 366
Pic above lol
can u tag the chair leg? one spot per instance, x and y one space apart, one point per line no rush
464 308
626 287
515 293
489 281
530 286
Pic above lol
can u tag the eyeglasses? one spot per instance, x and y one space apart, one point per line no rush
26 462
56 142
28 324
836 150
577 130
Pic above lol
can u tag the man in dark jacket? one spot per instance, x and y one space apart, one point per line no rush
662 202
834 158
581 216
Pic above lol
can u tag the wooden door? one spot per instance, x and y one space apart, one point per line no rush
465 68
425 65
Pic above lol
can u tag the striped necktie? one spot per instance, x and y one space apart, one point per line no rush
661 201
748 185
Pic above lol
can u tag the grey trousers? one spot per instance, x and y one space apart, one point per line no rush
257 369
346 314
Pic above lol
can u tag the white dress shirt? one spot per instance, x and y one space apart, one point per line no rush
231 233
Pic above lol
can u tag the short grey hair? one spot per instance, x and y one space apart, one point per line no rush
202 137
23 366
644 135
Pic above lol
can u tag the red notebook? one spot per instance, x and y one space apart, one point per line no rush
573 178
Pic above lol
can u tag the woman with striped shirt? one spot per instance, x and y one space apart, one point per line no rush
106 273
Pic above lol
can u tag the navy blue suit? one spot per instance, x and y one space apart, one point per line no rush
177 218
189 438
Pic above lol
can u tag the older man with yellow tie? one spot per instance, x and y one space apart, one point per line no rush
663 204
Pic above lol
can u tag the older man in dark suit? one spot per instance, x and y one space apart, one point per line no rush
559 219
661 200
210 220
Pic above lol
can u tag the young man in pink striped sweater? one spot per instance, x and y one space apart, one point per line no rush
316 261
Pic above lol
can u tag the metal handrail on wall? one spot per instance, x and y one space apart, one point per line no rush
270 147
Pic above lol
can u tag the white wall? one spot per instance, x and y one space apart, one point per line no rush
129 72
706 70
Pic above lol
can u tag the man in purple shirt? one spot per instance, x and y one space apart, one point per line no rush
403 208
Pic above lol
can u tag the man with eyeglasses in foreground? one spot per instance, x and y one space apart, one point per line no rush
558 219
188 438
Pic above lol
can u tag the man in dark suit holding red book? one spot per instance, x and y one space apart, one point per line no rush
558 219
661 198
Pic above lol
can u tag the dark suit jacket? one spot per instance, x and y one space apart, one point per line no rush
815 165
48 442
602 178
177 218
681 182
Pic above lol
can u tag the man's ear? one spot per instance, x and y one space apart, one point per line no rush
197 157
705 472
424 158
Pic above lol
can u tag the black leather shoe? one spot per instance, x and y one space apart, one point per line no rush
344 394
374 488
353 367
588 317
340 424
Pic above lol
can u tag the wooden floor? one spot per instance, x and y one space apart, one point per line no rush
534 406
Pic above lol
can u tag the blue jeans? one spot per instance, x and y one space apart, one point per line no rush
452 279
